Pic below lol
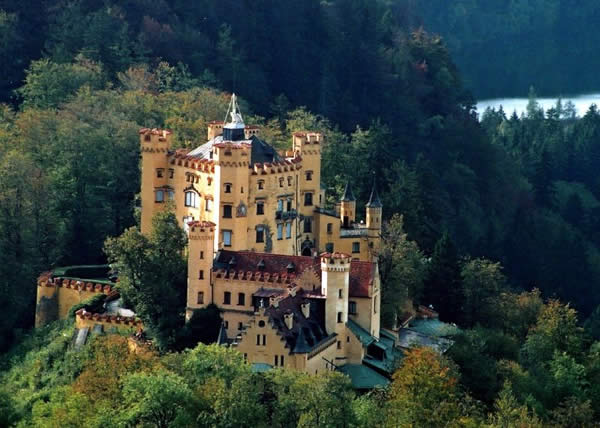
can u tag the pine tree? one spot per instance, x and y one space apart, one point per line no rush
443 284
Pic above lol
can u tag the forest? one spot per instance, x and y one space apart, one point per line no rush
491 218
504 47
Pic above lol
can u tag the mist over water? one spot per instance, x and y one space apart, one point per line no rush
582 103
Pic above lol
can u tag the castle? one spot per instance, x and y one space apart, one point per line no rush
258 199
298 285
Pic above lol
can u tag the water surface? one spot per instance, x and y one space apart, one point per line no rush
581 102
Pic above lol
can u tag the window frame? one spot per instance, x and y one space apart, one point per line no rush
229 233
308 199
227 211
227 297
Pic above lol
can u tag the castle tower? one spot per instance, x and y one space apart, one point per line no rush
374 207
348 207
335 280
154 145
200 258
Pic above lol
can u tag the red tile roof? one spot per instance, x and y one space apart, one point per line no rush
361 273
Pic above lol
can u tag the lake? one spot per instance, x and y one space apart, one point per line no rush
582 103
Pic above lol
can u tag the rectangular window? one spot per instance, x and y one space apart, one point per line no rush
240 325
227 238
201 274
339 344
171 172
227 209
356 247
280 205
159 196
329 247
375 305
260 234
340 317
209 204
281 361
329 227
201 255
307 225
190 199
264 341
348 339
160 172
226 324
279 230
227 187
258 339
340 293
200 300
289 205
308 199
227 298
260 208
309 175
281 182
241 299
276 360
288 230
261 184
352 308
171 194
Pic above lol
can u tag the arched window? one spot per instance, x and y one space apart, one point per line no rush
281 182
227 187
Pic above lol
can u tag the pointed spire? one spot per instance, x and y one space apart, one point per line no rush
374 201
348 196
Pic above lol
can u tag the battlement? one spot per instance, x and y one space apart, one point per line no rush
45 280
155 139
305 137
286 165
85 318
255 276
181 158
335 261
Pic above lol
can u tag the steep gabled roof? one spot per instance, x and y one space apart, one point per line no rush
348 196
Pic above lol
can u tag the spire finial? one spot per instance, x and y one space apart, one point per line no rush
234 111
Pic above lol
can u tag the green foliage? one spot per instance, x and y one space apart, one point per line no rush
93 304
402 270
153 275
49 84
160 399
203 327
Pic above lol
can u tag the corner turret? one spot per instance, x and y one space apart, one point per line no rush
155 189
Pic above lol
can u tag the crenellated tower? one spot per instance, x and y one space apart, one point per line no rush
335 285
154 145
201 237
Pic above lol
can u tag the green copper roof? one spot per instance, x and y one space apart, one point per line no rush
363 335
362 377
434 328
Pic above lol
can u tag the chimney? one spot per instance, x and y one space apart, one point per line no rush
305 309
288 318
